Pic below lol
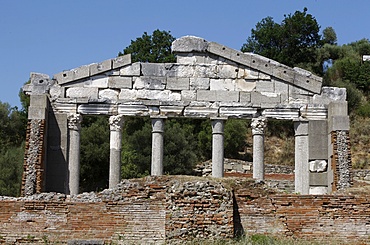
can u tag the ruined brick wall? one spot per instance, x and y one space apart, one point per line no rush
174 208
144 211
33 167
341 162
323 217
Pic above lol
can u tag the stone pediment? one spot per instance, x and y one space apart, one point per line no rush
208 80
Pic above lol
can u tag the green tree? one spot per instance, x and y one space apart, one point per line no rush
94 153
155 48
12 136
293 42
11 168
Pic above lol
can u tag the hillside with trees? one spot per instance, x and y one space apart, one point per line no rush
297 41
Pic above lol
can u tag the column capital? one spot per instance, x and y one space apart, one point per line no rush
301 127
218 125
116 122
74 121
157 125
258 125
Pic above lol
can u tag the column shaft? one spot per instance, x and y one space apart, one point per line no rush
302 176
218 148
115 123
74 125
157 146
258 127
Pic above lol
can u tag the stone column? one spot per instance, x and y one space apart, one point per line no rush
74 126
115 123
218 147
258 127
302 176
157 146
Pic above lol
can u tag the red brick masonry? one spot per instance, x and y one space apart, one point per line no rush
172 207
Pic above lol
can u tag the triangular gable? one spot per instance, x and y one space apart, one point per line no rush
295 76
208 80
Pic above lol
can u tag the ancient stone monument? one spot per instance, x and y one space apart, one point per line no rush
209 80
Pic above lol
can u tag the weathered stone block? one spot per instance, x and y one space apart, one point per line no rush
199 83
263 76
119 82
245 97
37 113
318 139
100 67
189 44
165 95
65 108
39 101
153 69
244 85
306 80
261 98
154 83
222 84
338 108
81 72
64 77
78 92
301 128
227 71
283 72
205 70
318 190
56 91
338 123
131 70
237 112
281 87
180 70
121 61
128 94
133 110
265 86
202 112
110 95
247 74
241 58
213 95
330 94
188 95
318 179
174 83
262 64
173 111
220 50
97 82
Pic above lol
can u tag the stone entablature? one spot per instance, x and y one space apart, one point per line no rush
208 80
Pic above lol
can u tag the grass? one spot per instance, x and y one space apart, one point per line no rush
260 239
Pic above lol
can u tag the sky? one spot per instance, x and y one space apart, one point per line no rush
52 36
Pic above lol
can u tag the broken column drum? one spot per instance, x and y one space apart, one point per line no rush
208 81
